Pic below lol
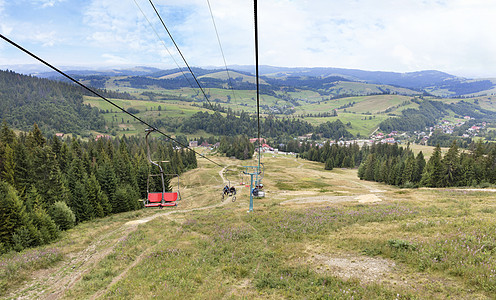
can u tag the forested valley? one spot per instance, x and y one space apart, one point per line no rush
49 185
429 112
55 106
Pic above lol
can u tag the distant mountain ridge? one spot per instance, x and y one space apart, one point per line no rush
429 81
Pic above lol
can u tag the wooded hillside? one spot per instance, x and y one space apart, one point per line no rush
51 185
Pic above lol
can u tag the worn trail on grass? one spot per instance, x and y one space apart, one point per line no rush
54 282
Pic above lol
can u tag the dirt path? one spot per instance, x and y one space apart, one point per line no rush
54 282
123 274
221 174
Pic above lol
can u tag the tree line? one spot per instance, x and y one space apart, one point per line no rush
271 127
49 185
399 166
238 146
333 155
396 165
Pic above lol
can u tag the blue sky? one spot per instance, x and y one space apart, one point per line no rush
455 36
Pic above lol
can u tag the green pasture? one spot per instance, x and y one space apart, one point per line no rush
316 235
363 124
149 111
363 104
378 104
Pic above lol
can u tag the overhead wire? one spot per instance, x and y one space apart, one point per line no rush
178 50
102 97
163 43
221 50
257 78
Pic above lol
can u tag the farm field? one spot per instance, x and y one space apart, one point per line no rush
364 116
150 111
316 234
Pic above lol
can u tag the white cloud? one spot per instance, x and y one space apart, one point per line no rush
409 35
47 3
111 59
368 34
5 29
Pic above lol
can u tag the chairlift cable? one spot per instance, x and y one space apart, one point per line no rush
257 78
178 50
163 43
221 50
100 96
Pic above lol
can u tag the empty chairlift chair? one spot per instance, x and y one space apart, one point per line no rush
159 198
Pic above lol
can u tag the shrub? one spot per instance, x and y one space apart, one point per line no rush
45 224
25 237
402 245
133 110
62 215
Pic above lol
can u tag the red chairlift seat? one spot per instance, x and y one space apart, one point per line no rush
163 198
155 199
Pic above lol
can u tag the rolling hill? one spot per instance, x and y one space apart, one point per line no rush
432 82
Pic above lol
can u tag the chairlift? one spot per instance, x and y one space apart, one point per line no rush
159 198
258 191
229 190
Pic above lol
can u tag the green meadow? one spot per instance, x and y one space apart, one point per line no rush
317 234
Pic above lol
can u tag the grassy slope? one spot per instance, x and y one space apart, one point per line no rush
148 111
310 102
303 240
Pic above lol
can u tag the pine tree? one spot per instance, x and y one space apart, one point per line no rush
433 172
467 177
451 163
78 196
9 166
369 167
79 202
142 171
45 225
123 166
64 158
7 135
192 162
384 171
12 214
329 164
23 168
95 200
35 137
419 169
108 182
409 170
56 146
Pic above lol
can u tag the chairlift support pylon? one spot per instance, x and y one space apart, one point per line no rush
163 198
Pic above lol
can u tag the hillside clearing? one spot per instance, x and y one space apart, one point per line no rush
316 234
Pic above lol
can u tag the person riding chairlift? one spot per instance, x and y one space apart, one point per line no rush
226 190
232 190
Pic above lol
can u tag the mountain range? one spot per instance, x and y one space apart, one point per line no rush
430 81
